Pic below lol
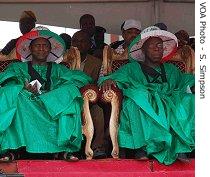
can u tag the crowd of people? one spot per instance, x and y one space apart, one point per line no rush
41 103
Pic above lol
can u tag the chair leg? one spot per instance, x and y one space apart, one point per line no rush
88 128
113 125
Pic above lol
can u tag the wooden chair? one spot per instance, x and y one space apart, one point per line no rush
10 56
90 95
179 64
184 59
72 58
111 62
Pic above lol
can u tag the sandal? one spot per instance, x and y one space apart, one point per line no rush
8 157
141 154
67 156
183 158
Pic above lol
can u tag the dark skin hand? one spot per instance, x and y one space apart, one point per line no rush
33 89
107 85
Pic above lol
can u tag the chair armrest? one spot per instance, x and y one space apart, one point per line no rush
90 94
107 96
72 57
114 96
4 64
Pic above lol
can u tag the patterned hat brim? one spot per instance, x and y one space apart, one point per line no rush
57 45
170 44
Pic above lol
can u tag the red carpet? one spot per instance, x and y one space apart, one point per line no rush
104 168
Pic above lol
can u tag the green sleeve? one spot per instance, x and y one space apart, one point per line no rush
10 75
121 76
178 79
76 77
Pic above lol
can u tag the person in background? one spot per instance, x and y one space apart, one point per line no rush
99 40
87 23
27 22
130 29
162 26
99 36
91 66
192 43
184 52
67 39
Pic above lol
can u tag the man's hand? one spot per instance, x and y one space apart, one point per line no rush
192 89
107 85
33 89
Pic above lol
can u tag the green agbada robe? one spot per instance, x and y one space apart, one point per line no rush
156 116
47 123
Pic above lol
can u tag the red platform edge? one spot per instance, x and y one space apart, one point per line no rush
99 168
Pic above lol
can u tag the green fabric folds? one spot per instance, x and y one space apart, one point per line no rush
47 123
157 117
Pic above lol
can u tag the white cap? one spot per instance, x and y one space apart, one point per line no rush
131 23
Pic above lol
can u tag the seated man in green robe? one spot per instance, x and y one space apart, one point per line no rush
40 100
157 114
